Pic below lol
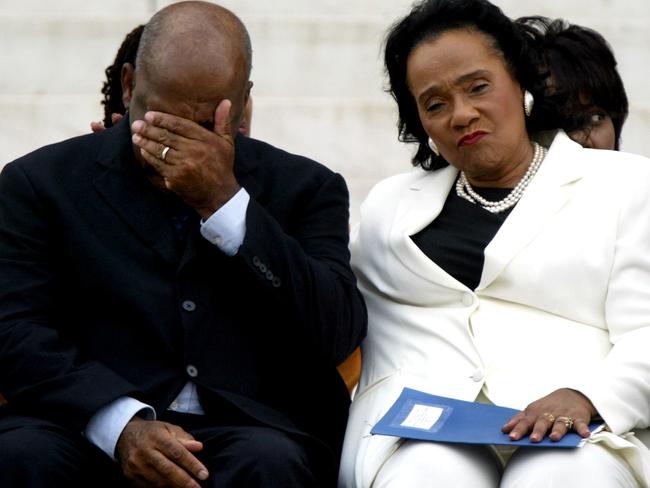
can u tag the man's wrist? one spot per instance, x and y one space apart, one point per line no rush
106 426
207 211
226 228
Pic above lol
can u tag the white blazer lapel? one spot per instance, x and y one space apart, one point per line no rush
546 195
420 204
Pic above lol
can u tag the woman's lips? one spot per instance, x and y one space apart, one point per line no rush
472 138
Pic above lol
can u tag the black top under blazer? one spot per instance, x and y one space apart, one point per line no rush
100 299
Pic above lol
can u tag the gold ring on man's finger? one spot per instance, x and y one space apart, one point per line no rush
163 155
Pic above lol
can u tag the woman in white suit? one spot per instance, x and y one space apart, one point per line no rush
500 270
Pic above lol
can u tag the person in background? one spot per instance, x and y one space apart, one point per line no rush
583 86
116 100
161 280
499 270
116 88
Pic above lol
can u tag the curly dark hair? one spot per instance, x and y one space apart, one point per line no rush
580 73
112 88
430 18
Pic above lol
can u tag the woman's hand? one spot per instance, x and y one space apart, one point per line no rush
99 126
557 413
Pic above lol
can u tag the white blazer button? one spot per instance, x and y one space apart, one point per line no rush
478 375
467 299
192 371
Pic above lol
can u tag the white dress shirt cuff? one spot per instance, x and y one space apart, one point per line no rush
226 228
106 426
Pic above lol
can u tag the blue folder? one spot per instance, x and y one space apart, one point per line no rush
419 415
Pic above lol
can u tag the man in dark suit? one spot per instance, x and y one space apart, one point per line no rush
173 294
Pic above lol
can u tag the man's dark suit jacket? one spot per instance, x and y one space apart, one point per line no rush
99 298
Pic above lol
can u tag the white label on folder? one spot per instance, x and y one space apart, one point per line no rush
422 417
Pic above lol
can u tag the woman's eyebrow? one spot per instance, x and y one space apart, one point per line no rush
433 89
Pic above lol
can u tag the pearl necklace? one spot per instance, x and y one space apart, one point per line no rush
465 190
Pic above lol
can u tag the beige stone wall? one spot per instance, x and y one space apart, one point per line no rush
317 72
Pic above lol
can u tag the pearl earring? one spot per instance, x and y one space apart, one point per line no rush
529 101
433 147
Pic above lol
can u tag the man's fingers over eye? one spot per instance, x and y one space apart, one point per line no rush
152 152
144 132
174 124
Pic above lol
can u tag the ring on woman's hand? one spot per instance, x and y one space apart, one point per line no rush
164 153
548 416
567 421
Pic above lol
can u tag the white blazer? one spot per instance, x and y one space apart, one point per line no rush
563 301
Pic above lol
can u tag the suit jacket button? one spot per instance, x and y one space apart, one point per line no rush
189 306
276 282
256 261
269 275
262 268
192 371
478 375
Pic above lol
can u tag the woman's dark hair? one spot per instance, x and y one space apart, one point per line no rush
429 19
580 73
112 89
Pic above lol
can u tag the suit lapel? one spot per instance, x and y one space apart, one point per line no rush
547 194
246 163
126 190
420 205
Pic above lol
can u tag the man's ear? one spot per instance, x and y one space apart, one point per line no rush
247 115
127 77
248 91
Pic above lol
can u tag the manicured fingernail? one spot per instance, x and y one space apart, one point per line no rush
137 125
136 138
203 475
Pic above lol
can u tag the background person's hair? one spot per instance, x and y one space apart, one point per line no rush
579 69
427 20
112 88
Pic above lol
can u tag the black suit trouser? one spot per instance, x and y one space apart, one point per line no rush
35 453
